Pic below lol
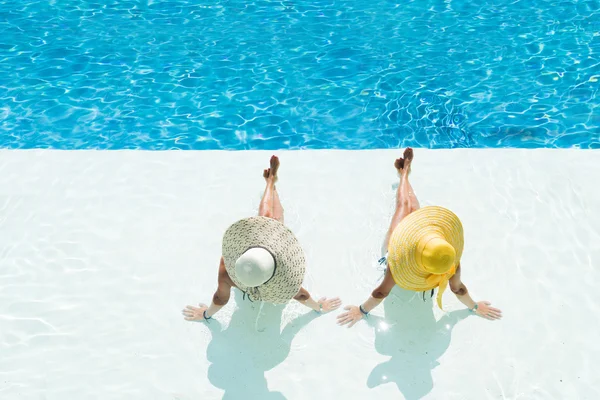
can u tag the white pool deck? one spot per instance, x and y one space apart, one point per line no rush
99 252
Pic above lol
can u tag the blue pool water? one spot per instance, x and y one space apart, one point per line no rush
348 74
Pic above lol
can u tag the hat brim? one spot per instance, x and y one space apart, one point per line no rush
405 239
284 246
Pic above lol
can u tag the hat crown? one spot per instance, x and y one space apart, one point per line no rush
255 267
435 254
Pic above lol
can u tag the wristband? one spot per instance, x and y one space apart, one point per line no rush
362 310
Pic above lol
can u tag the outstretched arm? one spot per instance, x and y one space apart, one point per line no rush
356 313
482 308
220 298
323 305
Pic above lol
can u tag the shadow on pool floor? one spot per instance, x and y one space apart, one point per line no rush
241 354
413 338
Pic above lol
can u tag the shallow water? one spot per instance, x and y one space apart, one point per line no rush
101 250
235 74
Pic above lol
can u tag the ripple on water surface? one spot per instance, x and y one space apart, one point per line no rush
324 74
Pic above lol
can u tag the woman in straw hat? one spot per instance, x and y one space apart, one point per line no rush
424 246
262 258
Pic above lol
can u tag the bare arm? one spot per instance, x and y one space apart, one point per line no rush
354 313
482 308
381 292
460 290
220 298
323 305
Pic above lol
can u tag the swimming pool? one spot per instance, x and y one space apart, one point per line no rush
100 250
160 75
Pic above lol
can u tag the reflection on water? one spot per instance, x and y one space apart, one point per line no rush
252 344
413 339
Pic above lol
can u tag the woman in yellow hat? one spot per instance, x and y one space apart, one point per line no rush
424 247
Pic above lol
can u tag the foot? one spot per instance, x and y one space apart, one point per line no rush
408 158
409 154
399 164
271 173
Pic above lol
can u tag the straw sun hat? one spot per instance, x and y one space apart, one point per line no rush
264 259
425 249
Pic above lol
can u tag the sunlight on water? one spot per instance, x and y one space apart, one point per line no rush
267 74
383 326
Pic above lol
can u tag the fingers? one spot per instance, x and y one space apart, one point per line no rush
334 304
352 323
348 308
491 315
343 316
189 316
191 313
486 316
494 315
322 300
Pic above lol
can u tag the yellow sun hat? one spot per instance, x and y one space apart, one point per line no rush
425 249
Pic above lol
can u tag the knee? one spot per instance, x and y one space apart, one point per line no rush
266 213
404 202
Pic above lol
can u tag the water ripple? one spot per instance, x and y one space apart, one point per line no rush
278 74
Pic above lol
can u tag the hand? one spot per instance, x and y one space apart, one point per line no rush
351 317
329 305
191 313
484 310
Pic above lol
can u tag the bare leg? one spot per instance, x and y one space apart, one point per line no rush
406 200
270 206
277 207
